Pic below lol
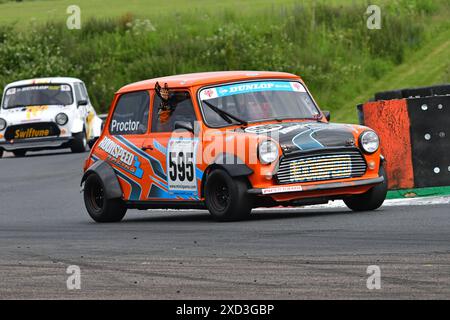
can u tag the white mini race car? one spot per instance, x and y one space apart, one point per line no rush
47 113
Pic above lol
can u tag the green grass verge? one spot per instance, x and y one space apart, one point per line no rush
418 192
427 66
326 42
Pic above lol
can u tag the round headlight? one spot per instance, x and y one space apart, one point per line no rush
2 124
61 119
369 141
267 151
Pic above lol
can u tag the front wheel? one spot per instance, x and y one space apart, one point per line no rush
98 206
372 199
226 197
1 153
79 142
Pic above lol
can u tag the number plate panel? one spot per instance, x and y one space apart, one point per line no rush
181 176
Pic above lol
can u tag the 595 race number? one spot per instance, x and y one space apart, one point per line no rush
181 166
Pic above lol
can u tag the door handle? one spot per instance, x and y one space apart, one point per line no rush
147 147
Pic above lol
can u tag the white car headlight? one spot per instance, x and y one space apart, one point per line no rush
369 141
61 119
2 124
267 151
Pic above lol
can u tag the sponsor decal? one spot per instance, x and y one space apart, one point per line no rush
181 173
34 111
31 133
44 87
256 86
320 168
208 94
121 157
296 86
281 189
124 126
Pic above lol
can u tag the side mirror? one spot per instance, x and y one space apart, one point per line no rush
327 115
82 103
184 125
92 142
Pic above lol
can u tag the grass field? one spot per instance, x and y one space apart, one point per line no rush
327 42
55 10
429 65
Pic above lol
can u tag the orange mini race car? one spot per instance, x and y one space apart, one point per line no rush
227 142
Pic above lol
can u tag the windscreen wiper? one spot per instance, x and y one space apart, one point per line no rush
16 106
225 115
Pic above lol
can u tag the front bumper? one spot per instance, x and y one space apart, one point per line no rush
36 143
315 187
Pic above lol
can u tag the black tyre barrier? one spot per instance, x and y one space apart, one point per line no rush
417 92
441 90
388 95
436 90
414 134
430 140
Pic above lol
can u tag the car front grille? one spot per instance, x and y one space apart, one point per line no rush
321 166
32 130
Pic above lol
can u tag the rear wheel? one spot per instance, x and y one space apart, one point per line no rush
79 142
98 206
1 153
370 200
226 198
20 153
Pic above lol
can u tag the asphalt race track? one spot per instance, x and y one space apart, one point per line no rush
278 254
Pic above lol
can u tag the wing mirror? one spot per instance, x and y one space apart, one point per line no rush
82 103
327 115
184 125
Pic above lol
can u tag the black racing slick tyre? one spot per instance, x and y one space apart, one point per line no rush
226 197
19 153
1 153
370 200
98 207
79 142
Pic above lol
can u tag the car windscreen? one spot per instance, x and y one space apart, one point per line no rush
38 95
257 101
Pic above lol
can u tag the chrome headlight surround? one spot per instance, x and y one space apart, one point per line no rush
2 124
61 119
369 141
267 151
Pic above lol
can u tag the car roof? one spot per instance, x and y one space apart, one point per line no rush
43 80
205 78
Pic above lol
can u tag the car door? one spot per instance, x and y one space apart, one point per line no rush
173 151
123 142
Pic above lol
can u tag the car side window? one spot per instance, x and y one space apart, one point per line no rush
180 109
83 91
131 114
77 92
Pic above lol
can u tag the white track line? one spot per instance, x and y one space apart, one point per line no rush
422 201
419 201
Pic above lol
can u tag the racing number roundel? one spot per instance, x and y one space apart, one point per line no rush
181 165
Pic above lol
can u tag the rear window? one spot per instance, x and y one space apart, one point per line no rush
131 114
